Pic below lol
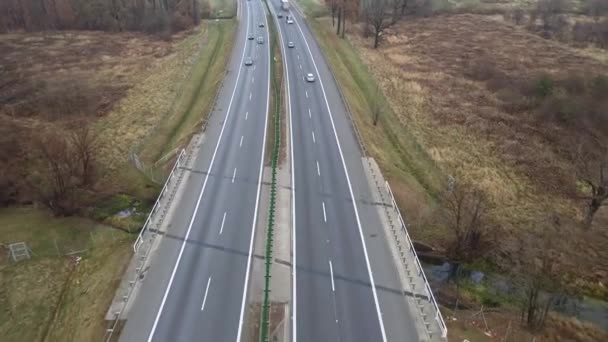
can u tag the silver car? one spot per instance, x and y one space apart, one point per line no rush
291 44
248 61
310 78
260 40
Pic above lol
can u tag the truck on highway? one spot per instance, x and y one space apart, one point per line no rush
285 5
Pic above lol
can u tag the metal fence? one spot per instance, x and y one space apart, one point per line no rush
147 235
412 250
148 222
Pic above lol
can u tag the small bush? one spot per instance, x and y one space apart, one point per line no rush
512 100
599 87
483 70
544 86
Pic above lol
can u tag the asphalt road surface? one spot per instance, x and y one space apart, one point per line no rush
345 285
196 286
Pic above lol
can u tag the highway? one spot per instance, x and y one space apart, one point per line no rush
196 285
344 284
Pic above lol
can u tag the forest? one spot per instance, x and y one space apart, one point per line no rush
107 15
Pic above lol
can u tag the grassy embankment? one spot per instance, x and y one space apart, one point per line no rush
404 163
49 297
196 98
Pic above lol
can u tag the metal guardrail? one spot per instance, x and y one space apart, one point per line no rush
140 240
438 316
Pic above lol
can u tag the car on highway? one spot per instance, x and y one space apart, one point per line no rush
291 44
310 77
248 61
250 37
260 40
289 21
261 24
280 15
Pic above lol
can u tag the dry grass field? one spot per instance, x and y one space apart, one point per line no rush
130 88
462 126
516 158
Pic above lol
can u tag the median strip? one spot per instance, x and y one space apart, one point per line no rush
264 333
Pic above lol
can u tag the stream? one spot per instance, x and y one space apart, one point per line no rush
585 309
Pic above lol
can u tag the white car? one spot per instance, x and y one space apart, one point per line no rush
289 21
260 40
310 78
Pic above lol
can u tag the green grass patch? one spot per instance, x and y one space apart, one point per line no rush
49 295
223 9
403 161
195 100
313 8
107 209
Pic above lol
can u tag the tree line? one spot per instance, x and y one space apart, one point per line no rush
107 15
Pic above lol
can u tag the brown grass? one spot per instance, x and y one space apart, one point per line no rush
505 324
422 67
51 295
129 80
108 63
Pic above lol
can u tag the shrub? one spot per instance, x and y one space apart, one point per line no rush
544 86
599 87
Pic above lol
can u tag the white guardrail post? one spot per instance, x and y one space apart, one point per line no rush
431 297
139 242
139 239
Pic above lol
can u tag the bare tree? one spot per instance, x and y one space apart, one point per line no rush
551 14
465 213
592 169
402 5
55 179
538 271
377 106
518 15
333 9
379 16
84 145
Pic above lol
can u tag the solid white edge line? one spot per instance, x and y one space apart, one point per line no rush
294 301
331 273
206 292
198 202
324 213
222 225
350 188
257 200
